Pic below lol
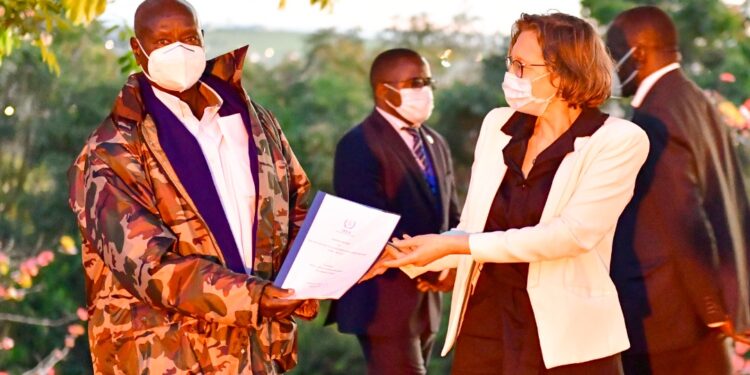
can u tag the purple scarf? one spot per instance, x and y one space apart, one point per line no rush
187 160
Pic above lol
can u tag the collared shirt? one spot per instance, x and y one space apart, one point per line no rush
649 82
224 143
399 126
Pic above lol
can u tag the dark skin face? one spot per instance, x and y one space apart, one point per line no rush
619 47
651 51
402 70
172 22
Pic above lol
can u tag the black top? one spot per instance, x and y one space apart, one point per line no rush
519 203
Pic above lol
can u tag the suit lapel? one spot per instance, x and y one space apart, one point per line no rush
401 151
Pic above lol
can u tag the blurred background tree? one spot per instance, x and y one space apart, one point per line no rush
45 119
37 22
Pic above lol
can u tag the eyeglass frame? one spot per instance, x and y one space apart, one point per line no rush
509 63
415 83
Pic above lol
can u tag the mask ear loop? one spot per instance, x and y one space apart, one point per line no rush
624 59
540 77
630 78
547 100
142 49
147 58
394 89
539 100
619 65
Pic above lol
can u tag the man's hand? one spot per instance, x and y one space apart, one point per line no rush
444 282
273 302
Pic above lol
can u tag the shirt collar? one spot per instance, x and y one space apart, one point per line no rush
182 110
396 122
521 126
649 82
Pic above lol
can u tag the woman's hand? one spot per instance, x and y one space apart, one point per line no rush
423 250
379 267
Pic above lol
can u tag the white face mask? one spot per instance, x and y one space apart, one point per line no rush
175 67
416 104
518 94
616 84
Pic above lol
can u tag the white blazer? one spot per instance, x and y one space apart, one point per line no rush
574 301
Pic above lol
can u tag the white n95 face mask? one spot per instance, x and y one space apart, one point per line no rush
416 104
175 67
519 95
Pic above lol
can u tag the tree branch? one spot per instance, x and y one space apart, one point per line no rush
4 317
43 367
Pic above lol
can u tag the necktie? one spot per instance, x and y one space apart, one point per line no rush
424 163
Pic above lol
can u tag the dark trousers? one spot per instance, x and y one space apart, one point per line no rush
485 356
399 355
710 356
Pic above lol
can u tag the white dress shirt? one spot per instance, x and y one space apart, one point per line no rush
649 82
224 143
399 126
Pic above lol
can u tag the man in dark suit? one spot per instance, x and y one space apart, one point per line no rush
394 162
680 257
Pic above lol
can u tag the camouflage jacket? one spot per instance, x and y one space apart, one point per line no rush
159 294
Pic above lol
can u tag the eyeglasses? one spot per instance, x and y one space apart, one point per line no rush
516 67
415 83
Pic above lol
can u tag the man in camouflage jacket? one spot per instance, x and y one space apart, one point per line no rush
160 295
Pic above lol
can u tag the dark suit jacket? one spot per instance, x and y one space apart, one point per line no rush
375 167
680 257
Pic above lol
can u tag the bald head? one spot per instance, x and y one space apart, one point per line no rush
151 13
648 26
643 40
390 66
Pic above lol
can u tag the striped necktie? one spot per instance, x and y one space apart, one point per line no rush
418 147
420 152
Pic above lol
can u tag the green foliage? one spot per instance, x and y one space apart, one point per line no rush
38 22
53 115
712 37
316 98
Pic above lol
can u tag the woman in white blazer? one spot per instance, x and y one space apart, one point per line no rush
550 177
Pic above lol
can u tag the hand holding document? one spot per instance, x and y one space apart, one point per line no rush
338 242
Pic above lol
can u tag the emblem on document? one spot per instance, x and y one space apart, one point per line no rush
349 224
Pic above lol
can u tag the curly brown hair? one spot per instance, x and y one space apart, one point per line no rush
575 54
